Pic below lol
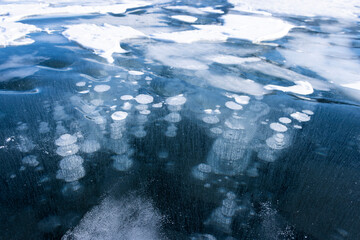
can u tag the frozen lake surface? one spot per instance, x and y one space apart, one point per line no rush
200 120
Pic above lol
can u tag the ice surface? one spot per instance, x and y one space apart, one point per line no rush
119 115
278 127
233 105
103 40
130 218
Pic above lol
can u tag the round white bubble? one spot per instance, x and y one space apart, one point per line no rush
211 119
285 120
90 146
30 160
80 84
144 99
101 88
278 127
126 97
119 115
173 117
71 162
301 117
176 100
67 150
65 139
122 162
308 112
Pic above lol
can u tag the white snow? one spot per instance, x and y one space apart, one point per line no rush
103 40
14 33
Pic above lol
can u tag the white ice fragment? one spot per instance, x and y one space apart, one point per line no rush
278 127
135 73
101 88
80 84
185 18
147 78
285 120
242 99
144 99
126 97
233 106
104 40
211 119
119 115
297 126
90 146
65 139
301 117
173 117
30 160
301 87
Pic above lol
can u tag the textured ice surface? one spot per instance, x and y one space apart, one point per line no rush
184 18
130 218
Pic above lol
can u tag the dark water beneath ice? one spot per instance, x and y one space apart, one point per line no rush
306 186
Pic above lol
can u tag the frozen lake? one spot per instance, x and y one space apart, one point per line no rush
199 120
